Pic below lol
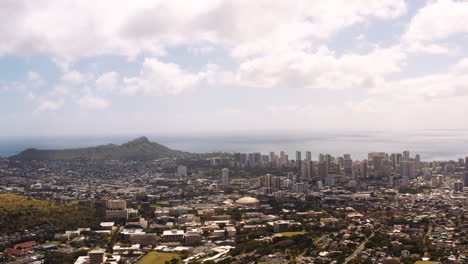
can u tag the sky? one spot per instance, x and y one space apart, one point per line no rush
83 67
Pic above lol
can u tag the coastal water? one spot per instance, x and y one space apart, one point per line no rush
430 144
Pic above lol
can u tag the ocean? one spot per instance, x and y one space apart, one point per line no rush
430 144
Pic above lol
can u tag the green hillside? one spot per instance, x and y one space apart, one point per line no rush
18 212
138 149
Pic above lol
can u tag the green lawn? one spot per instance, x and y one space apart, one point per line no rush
290 234
157 258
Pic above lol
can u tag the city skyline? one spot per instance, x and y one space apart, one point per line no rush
167 67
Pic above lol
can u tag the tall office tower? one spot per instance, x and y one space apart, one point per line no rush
181 172
417 159
461 162
371 155
340 162
268 189
272 156
406 155
465 179
251 160
237 158
321 157
282 158
261 181
243 158
307 170
308 155
276 185
257 158
304 175
458 187
408 169
364 170
323 170
282 155
394 160
377 166
225 176
434 181
298 160
347 156
265 159
348 164
466 163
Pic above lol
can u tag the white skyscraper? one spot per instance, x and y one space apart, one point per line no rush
225 176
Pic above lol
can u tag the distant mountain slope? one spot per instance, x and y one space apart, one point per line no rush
138 149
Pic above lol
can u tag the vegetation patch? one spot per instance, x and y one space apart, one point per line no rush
158 258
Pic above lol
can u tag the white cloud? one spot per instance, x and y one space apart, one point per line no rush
247 27
436 22
107 82
159 78
30 97
461 66
321 69
33 76
89 101
73 77
49 106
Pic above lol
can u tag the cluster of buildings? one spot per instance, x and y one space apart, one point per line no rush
388 207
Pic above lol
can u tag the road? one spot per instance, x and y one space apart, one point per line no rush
358 250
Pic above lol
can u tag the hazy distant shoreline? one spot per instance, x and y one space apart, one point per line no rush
432 145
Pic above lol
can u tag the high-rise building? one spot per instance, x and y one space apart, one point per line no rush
225 176
181 171
377 166
276 185
466 163
307 170
308 155
465 179
298 160
116 204
321 157
417 159
323 170
283 159
237 158
298 156
394 160
364 169
371 155
348 164
268 189
243 158
406 155
408 169
458 187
